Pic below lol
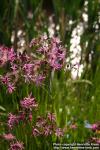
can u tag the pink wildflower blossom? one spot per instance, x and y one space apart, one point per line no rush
12 120
23 57
51 117
39 79
73 126
47 130
35 132
55 65
14 67
55 40
8 137
11 55
21 116
28 102
30 117
10 87
40 122
33 42
59 132
98 141
16 146
3 55
56 56
5 79
51 50
94 126
28 78
95 140
28 68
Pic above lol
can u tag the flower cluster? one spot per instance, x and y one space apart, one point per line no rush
12 120
3 55
95 140
47 54
18 68
50 50
14 144
47 126
7 55
42 125
28 103
6 80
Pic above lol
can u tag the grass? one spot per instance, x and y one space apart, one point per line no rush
73 101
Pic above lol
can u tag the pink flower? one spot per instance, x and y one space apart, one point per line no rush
33 42
28 102
54 64
11 55
55 40
10 87
28 78
35 132
94 126
12 120
16 146
98 141
73 126
59 132
21 116
40 122
8 137
56 57
39 79
47 130
7 54
23 57
30 117
95 140
28 72
51 50
51 117
61 55
42 50
5 79
14 67
28 68
3 55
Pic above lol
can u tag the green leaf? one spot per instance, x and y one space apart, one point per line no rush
2 108
83 81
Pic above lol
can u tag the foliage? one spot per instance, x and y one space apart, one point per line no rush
75 102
